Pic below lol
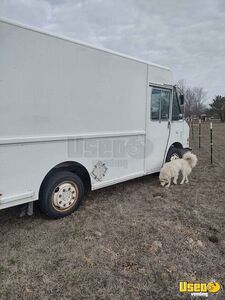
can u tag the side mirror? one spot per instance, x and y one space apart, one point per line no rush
181 98
181 116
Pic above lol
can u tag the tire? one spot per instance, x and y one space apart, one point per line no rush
173 153
61 194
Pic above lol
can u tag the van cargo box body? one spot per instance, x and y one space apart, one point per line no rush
67 104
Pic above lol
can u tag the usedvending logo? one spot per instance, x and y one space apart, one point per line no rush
199 289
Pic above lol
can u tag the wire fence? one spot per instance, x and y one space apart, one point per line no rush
209 137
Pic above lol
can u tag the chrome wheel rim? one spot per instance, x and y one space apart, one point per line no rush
65 195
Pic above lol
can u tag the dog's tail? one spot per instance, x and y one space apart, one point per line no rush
191 158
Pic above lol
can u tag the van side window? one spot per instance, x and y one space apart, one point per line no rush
160 104
155 107
176 108
165 105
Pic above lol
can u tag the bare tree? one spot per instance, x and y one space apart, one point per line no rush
199 101
195 98
181 86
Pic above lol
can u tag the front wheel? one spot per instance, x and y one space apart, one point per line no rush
61 194
173 153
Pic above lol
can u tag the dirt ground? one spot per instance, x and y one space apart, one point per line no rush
134 240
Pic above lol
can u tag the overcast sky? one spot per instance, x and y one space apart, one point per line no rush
186 35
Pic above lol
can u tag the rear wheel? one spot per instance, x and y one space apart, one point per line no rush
61 194
173 153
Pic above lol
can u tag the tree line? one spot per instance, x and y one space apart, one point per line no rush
196 102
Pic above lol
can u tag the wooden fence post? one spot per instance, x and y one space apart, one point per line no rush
199 134
211 142
192 130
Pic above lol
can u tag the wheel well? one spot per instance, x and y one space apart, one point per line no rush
177 145
75 168
174 145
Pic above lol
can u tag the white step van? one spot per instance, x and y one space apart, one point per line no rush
75 118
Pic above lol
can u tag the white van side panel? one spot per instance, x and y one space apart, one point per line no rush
32 161
54 93
54 87
64 101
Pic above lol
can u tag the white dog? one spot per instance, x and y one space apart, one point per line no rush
172 169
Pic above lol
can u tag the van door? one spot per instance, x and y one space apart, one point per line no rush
157 127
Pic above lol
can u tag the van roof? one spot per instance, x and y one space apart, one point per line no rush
62 37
